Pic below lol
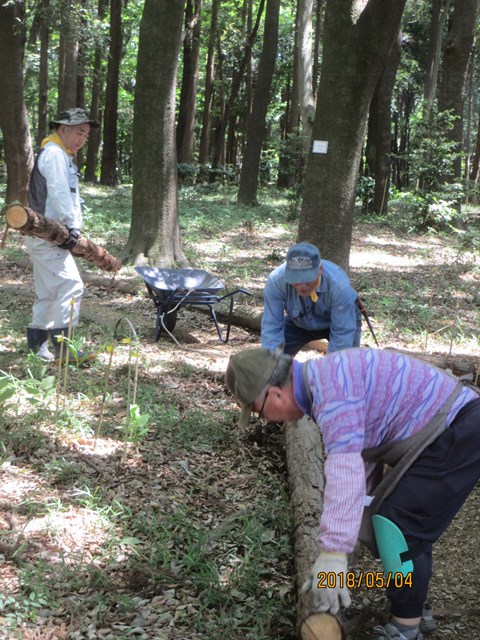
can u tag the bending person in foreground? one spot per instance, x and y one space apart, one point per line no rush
307 299
361 400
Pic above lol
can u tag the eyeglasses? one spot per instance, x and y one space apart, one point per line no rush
260 413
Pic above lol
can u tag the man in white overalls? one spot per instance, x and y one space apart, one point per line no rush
53 192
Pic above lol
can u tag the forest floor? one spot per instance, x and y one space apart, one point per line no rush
181 528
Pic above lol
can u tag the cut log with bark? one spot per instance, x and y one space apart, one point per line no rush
30 223
456 364
305 458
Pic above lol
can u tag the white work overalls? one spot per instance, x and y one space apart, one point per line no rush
57 279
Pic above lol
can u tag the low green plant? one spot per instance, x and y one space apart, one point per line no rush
21 608
135 424
7 391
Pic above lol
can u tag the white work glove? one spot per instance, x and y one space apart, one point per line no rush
327 580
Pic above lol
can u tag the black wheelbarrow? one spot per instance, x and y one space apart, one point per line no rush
171 288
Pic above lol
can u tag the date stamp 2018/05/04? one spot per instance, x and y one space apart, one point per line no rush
367 579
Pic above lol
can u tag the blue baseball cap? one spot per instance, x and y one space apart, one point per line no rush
303 263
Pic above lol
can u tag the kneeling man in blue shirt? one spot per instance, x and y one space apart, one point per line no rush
307 298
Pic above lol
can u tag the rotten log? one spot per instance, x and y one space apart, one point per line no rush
30 223
305 458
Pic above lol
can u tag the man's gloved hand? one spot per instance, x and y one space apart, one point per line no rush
329 569
71 241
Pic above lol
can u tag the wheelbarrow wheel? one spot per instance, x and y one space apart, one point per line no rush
169 322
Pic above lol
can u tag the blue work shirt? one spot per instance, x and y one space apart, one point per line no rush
335 310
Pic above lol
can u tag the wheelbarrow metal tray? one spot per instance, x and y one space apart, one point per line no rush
170 288
164 281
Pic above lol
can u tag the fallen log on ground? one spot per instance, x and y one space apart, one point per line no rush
453 363
304 451
30 223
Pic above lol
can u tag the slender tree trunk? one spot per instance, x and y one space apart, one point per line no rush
94 137
474 172
234 91
44 37
316 44
437 23
290 148
286 163
209 78
379 140
247 193
352 63
469 112
154 231
13 114
108 172
240 141
303 37
68 58
458 47
188 93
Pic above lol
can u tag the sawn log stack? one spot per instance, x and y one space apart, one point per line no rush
30 223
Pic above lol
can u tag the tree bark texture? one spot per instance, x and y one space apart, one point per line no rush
30 223
68 57
108 173
154 231
456 56
13 114
44 37
188 93
352 63
305 459
437 22
209 78
247 192
379 140
97 83
303 70
474 171
316 44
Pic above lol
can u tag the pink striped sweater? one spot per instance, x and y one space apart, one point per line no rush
363 398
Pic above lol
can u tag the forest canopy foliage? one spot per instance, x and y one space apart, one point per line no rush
419 142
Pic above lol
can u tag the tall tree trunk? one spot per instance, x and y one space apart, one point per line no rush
94 137
316 44
379 139
108 172
469 112
68 58
474 172
154 231
352 63
188 93
209 78
288 147
237 141
44 36
247 193
303 38
437 23
13 114
458 47
234 91
290 150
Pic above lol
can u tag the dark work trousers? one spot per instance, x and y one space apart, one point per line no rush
296 337
429 496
